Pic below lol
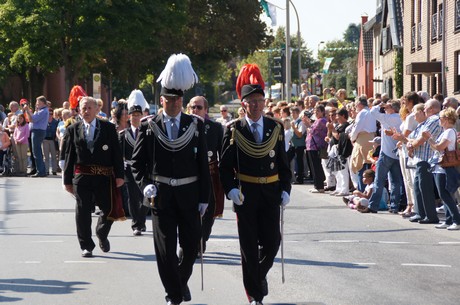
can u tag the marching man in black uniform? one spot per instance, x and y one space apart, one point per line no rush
214 133
170 164
256 177
93 170
128 137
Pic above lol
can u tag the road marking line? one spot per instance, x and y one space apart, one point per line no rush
47 241
427 265
224 239
338 241
393 242
84 262
31 262
365 264
449 242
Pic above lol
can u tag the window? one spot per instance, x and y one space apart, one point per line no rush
434 20
457 15
419 82
434 27
440 22
412 82
457 72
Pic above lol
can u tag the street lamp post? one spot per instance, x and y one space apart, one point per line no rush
288 55
298 46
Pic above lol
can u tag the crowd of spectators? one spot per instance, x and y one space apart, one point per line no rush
332 142
377 153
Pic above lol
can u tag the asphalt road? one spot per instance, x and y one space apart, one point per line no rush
333 255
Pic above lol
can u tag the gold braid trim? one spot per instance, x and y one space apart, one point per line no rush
253 149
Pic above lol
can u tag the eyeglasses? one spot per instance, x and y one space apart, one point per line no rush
223 110
199 107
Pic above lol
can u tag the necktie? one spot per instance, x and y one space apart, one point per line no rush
135 133
89 134
255 133
174 129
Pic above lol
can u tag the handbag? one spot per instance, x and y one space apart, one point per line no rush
451 158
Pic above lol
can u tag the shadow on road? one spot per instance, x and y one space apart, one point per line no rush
322 264
25 285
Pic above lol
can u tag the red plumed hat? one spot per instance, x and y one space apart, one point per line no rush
249 75
75 94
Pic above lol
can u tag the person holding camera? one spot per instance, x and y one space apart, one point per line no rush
388 161
38 126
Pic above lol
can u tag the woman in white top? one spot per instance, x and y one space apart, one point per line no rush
446 140
409 123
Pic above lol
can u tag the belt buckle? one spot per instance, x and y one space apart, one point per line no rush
173 182
263 180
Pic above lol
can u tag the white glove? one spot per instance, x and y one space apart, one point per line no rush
61 164
202 208
150 191
285 198
234 196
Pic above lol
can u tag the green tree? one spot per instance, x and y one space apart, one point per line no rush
352 34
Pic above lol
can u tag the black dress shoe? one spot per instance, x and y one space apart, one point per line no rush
186 295
330 188
32 172
428 221
104 245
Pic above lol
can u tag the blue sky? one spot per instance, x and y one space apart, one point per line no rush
322 20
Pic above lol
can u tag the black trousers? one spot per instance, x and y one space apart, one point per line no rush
89 189
317 169
208 220
176 215
258 226
299 154
137 210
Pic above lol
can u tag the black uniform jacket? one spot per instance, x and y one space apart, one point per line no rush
127 142
106 151
273 163
214 134
150 157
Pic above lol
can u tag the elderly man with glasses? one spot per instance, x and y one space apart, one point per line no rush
225 117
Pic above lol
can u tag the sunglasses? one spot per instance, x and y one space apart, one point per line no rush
223 111
199 107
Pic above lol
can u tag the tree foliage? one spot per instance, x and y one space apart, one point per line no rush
124 39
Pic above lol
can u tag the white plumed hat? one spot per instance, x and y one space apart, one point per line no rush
177 76
136 98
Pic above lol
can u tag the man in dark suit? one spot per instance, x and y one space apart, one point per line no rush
170 163
255 174
214 133
128 137
93 166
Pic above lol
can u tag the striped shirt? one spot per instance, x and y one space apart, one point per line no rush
424 152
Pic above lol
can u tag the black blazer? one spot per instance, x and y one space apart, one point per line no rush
127 141
151 158
262 167
214 134
106 151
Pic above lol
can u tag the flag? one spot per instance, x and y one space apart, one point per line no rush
327 64
270 10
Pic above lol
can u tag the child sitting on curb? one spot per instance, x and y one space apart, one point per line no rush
360 200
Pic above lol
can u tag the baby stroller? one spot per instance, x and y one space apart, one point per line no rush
8 163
